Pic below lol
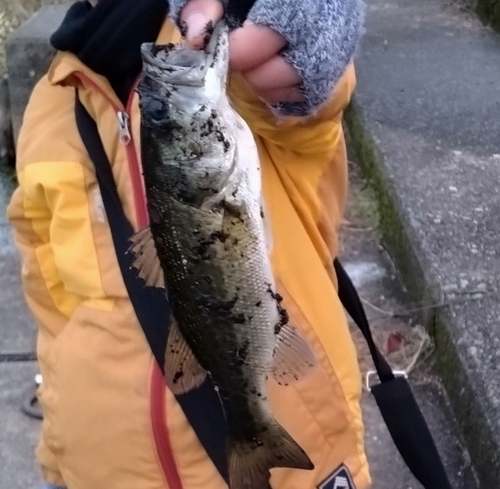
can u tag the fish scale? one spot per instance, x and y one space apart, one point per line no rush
203 187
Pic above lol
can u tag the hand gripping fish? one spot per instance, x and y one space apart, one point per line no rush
207 242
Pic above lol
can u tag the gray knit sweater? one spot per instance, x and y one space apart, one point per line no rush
322 36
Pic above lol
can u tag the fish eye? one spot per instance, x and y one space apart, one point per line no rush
155 109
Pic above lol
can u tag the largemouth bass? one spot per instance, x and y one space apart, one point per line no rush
203 187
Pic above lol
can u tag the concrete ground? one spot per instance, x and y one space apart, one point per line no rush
401 337
426 125
372 272
18 433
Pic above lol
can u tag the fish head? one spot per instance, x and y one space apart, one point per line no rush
179 86
188 128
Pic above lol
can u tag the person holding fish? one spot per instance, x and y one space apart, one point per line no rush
221 121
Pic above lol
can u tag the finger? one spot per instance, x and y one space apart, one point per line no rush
272 74
252 45
282 95
197 20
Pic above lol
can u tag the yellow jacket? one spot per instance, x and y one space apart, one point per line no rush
109 422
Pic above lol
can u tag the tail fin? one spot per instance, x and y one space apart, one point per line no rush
250 461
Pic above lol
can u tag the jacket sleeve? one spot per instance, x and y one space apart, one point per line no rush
322 37
30 220
49 212
62 234
48 227
30 213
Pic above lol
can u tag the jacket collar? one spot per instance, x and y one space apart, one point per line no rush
66 67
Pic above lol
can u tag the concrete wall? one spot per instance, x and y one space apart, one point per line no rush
6 142
489 12
28 57
29 54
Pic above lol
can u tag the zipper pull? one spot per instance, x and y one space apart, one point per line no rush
123 123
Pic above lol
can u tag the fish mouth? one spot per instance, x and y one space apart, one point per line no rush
179 80
176 64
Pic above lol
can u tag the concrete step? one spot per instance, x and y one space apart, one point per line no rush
425 124
29 54
406 345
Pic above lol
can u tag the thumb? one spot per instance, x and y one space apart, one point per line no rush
197 21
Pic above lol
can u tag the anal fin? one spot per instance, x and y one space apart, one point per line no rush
182 370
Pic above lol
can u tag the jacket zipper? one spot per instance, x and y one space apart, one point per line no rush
158 411
123 124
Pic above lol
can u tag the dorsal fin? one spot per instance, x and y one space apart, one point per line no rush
146 259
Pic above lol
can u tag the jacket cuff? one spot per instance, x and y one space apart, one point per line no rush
322 37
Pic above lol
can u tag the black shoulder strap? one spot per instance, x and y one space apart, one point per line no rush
393 395
201 406
396 402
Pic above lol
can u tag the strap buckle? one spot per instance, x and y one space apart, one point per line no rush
371 373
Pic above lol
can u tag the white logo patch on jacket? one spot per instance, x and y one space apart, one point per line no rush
340 479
